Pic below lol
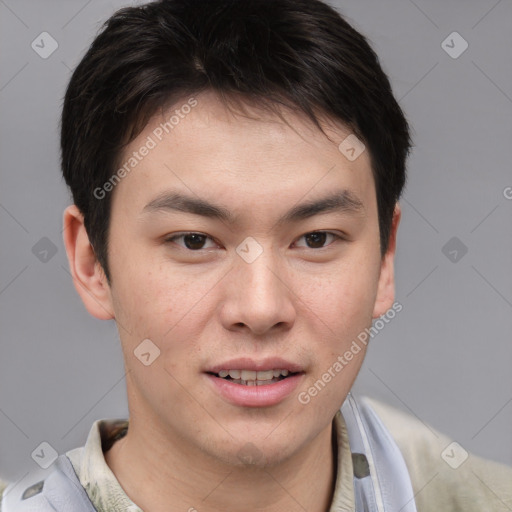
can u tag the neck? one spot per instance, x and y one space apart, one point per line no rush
156 471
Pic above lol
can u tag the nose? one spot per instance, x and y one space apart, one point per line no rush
257 297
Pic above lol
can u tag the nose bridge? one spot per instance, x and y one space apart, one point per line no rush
258 275
259 299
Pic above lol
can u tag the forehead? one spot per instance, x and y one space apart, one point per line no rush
202 147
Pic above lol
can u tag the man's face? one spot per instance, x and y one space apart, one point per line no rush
255 290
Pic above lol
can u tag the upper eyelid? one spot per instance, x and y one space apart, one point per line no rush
185 233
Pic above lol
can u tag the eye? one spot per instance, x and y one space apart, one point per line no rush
192 241
317 239
196 241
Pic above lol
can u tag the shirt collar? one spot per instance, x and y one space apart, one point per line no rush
107 495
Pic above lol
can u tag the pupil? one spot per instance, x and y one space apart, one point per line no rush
197 243
318 238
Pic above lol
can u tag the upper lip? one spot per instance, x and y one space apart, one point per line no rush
246 363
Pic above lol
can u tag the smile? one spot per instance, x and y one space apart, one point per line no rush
252 377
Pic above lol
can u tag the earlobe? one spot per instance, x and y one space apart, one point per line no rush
88 276
386 286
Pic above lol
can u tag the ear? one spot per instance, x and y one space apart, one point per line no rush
88 276
386 286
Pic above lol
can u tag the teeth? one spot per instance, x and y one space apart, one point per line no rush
265 375
248 375
252 377
255 382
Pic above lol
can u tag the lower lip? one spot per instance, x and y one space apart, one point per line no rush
255 396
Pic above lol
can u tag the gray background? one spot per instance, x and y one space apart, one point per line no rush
446 358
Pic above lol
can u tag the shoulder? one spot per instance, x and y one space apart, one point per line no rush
77 466
15 497
444 475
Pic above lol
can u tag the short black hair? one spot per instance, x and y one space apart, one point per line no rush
298 53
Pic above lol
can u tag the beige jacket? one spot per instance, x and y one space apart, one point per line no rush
445 478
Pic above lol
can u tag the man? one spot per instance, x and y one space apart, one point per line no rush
236 167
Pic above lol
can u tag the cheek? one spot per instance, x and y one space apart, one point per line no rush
170 309
345 299
341 309
147 295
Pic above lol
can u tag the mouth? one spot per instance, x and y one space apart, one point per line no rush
246 382
253 377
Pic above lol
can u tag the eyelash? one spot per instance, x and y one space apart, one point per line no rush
184 234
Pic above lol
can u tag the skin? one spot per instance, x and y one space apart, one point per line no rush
301 299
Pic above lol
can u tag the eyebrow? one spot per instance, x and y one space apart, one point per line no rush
342 201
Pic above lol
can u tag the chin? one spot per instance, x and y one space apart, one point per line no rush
257 454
